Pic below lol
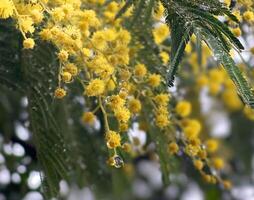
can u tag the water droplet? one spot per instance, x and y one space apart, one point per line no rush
118 161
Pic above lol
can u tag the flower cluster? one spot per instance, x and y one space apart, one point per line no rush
96 50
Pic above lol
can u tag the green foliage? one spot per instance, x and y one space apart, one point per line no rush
185 16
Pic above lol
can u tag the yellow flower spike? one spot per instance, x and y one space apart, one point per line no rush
28 43
60 93
6 9
183 108
218 163
95 87
63 56
88 118
173 148
113 139
154 80
135 106
198 164
211 145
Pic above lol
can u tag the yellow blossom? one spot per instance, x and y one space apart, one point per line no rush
211 145
66 77
183 108
88 118
6 8
161 120
134 106
63 55
154 80
140 70
71 68
162 99
218 163
164 57
173 148
160 33
95 87
113 139
60 93
28 43
198 164
122 114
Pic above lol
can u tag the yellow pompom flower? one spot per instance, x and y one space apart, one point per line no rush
88 118
71 68
161 120
66 77
154 80
122 114
192 129
173 148
60 93
63 55
113 139
248 16
115 102
237 31
28 43
211 145
218 163
45 34
164 57
198 164
95 87
183 108
162 99
216 75
6 8
26 24
134 106
140 70
160 33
